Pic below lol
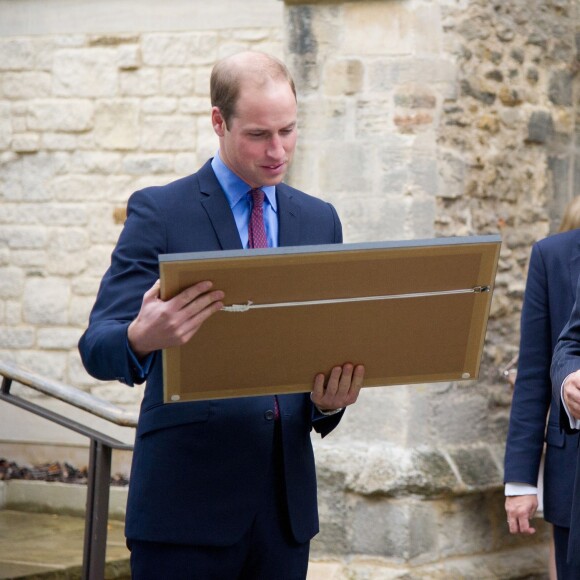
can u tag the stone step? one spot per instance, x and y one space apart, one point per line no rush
42 531
50 547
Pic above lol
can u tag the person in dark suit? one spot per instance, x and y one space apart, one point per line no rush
549 296
221 488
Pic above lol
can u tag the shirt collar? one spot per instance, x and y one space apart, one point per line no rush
236 188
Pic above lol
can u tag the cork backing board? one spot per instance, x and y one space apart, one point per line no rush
436 334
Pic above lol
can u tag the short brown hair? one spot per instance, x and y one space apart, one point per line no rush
227 76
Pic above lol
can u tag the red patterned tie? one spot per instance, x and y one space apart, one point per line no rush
256 229
257 239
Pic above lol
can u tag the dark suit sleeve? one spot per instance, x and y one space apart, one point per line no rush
133 270
532 392
566 359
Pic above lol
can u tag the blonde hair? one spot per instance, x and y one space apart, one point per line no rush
571 217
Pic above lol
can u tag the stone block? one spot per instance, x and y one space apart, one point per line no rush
560 88
378 28
179 49
59 142
427 29
58 338
117 124
49 364
66 214
540 127
85 72
177 82
46 301
143 82
76 188
145 164
395 471
196 106
11 282
476 466
68 115
373 118
324 570
31 259
13 312
464 526
378 218
168 133
26 85
80 308
401 530
202 76
6 125
346 167
128 56
343 77
187 163
104 163
85 286
24 237
159 105
17 338
384 74
17 54
25 142
322 119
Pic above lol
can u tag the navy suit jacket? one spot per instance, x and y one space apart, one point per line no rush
199 468
549 296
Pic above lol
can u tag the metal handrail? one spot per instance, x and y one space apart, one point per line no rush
100 453
71 395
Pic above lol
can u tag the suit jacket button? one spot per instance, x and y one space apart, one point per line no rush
269 415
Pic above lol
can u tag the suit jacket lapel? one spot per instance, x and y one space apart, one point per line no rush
218 209
288 217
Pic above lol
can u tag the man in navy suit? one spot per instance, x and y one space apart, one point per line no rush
549 296
221 489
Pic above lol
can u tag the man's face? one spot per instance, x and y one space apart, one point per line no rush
259 143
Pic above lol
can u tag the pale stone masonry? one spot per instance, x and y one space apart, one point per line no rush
418 118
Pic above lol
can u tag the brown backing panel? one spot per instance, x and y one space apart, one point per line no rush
279 350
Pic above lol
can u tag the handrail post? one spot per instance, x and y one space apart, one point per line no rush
95 542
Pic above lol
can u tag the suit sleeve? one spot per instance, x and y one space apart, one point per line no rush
532 392
134 269
566 359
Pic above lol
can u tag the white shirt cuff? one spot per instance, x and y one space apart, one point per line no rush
514 488
574 423
329 413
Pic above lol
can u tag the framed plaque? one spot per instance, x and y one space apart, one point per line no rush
410 311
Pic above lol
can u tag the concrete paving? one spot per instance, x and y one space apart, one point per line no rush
50 547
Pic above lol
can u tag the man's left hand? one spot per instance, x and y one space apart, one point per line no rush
341 389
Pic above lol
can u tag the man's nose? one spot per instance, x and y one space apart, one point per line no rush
275 147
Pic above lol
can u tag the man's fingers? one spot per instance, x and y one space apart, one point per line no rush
189 295
153 292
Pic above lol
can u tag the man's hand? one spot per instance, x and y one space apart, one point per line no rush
571 394
341 390
520 510
162 324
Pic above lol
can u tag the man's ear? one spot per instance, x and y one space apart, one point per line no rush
218 122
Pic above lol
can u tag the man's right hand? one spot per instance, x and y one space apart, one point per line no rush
163 324
520 510
571 394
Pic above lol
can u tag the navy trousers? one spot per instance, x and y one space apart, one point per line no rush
565 571
266 551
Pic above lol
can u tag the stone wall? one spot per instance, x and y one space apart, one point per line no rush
418 118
